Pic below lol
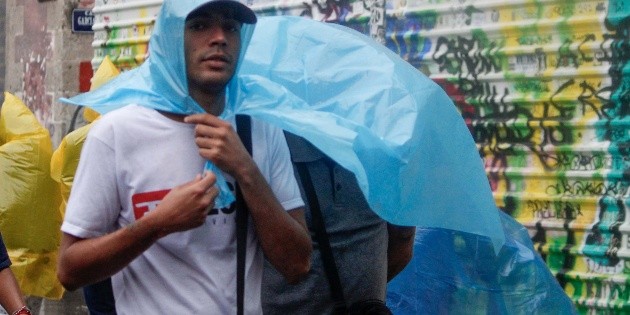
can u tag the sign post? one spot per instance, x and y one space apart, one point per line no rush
82 21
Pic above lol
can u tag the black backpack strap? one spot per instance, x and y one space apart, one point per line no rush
330 267
244 130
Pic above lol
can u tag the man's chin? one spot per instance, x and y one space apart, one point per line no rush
209 88
218 77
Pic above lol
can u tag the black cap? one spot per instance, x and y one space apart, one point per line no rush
242 13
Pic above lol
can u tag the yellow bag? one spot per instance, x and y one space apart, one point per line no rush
29 200
105 72
66 158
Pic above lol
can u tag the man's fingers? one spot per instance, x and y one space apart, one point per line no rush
207 180
213 192
211 195
207 142
195 118
192 182
205 119
201 182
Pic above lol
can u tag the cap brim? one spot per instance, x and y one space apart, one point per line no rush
242 13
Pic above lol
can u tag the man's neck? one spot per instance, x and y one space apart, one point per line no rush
212 103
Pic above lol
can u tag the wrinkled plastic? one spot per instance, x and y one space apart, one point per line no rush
458 273
65 159
90 115
374 114
106 71
160 82
364 106
29 200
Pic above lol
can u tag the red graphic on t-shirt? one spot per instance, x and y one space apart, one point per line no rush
145 202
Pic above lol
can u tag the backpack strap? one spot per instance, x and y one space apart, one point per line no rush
244 130
321 236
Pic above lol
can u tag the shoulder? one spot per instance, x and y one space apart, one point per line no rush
124 117
266 132
258 124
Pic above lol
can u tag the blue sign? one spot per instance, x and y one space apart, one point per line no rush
82 21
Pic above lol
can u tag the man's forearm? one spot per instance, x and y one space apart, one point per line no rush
282 236
10 295
399 248
86 261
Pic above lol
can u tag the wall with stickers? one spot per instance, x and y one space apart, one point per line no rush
544 88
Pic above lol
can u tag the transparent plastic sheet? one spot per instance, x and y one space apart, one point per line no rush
458 273
29 200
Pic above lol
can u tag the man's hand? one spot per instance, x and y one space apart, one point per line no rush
186 206
283 235
399 248
219 143
86 261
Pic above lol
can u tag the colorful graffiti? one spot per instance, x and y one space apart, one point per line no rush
544 89
541 86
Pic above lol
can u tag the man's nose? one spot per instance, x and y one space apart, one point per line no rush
217 37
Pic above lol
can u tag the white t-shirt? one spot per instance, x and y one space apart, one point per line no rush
132 157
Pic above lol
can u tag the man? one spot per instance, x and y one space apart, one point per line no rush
139 209
11 297
367 251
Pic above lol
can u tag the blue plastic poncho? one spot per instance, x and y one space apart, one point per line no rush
453 272
375 115
362 105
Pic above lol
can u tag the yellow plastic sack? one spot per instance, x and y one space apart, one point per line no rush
89 114
29 200
64 162
105 72
66 158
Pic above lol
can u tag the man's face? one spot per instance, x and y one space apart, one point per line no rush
212 42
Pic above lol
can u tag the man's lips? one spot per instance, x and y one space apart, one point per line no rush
216 60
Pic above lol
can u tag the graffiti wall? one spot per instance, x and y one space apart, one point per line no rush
544 88
541 86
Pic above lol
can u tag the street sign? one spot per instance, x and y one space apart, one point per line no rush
82 21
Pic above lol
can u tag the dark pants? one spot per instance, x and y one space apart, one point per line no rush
99 298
